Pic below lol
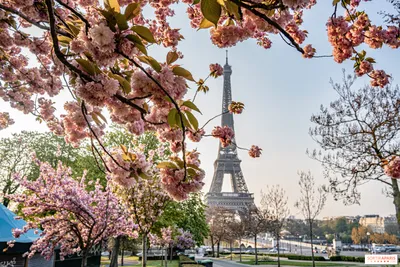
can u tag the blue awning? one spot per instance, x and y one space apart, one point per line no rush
7 223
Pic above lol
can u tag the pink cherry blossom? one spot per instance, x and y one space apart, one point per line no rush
216 70
255 151
225 135
72 218
5 120
392 169
379 78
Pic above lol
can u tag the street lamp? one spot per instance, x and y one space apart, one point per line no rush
368 246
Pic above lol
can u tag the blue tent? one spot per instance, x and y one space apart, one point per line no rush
7 223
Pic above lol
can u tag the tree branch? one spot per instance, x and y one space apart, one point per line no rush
270 21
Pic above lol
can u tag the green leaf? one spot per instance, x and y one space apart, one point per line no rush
211 10
183 72
138 43
233 9
144 32
132 10
143 175
88 66
370 60
122 22
194 167
126 86
192 119
186 121
111 20
178 120
172 117
195 2
167 164
151 61
73 29
191 105
172 56
112 5
335 2
64 39
204 24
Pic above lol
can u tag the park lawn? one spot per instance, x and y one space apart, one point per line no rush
150 263
297 263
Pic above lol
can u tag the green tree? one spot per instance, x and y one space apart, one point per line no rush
341 225
188 215
16 157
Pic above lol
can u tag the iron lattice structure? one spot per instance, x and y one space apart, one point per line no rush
228 162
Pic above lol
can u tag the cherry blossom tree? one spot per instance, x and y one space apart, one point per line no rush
98 51
72 218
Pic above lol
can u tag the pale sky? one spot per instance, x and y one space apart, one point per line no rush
281 91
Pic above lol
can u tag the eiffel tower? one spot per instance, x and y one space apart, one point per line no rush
228 162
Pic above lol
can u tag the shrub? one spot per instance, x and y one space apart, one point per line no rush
347 258
305 258
184 258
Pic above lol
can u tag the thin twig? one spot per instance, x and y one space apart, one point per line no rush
79 15
84 113
37 24
223 113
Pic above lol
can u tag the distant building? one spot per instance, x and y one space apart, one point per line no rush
377 224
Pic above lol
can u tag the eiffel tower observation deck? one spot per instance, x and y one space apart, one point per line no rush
227 162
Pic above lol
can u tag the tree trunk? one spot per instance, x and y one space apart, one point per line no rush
396 199
240 249
255 248
312 245
6 201
115 251
84 258
278 248
172 251
212 246
230 244
144 250
218 249
122 252
166 256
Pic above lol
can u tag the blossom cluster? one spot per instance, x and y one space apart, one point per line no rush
178 182
182 239
5 120
255 151
225 135
344 36
71 217
236 107
216 70
392 169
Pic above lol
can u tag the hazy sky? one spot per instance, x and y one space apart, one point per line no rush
281 91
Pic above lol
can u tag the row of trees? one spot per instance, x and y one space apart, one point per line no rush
364 235
271 217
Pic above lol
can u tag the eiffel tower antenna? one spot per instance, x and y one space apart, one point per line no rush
227 162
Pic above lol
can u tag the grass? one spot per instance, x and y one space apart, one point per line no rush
296 263
150 263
